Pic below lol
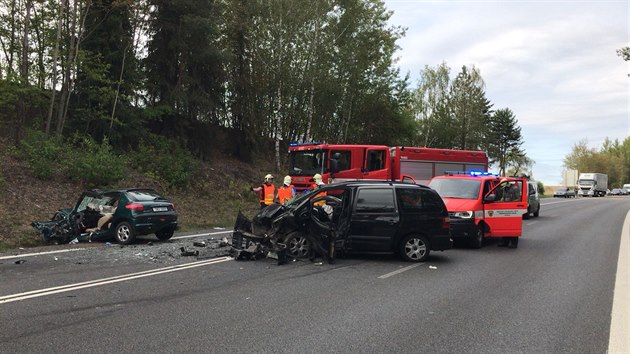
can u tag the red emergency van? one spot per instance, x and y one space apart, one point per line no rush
338 162
483 205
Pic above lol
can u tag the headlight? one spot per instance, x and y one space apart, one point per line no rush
463 214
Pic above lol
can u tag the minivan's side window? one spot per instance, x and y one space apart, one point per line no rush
375 200
431 201
410 198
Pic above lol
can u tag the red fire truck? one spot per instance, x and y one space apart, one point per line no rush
338 163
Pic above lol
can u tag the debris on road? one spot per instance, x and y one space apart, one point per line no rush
20 261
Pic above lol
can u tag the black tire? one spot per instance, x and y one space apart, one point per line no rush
526 215
414 248
298 246
513 242
164 234
537 212
477 241
124 233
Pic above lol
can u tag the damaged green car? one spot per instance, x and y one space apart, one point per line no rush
118 215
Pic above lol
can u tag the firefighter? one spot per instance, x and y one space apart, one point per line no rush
266 192
318 183
286 192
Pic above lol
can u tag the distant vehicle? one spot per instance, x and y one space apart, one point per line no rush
592 184
115 214
626 187
533 200
564 192
616 191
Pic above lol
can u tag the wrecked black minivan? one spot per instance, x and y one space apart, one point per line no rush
361 217
114 214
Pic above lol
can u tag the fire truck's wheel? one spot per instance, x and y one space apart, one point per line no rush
477 241
414 248
298 246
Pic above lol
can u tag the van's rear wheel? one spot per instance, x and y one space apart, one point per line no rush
414 248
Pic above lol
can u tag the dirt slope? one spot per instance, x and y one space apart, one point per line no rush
213 200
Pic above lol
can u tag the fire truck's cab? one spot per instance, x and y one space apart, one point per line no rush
337 163
483 205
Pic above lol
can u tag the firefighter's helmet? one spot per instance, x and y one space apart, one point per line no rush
268 177
317 178
287 180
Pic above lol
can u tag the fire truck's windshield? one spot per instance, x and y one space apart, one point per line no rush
456 187
307 163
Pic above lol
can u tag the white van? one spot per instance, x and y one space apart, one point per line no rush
626 187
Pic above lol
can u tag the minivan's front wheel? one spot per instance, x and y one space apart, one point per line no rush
298 246
124 233
414 248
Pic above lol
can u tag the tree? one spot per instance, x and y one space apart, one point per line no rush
624 53
469 110
505 140
430 106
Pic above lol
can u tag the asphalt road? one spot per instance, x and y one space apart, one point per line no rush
553 294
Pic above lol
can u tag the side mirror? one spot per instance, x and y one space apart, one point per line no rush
489 198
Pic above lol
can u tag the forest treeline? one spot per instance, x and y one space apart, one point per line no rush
238 76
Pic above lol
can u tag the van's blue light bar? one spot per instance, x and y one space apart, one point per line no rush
472 173
300 144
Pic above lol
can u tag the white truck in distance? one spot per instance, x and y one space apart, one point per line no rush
592 184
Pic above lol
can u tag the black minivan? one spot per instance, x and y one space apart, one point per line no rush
367 217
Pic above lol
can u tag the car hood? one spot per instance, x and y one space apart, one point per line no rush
457 204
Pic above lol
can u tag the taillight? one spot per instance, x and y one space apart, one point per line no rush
135 207
446 222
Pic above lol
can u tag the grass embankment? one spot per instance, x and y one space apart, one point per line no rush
211 198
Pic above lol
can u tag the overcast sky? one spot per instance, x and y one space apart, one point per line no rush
553 63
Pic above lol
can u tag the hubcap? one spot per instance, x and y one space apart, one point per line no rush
415 248
123 233
298 247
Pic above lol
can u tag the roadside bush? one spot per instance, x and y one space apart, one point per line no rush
541 188
166 160
93 163
42 153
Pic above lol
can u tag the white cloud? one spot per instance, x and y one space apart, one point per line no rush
553 63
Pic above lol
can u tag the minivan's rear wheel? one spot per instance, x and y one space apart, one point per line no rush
124 233
414 248
298 246
477 241
537 211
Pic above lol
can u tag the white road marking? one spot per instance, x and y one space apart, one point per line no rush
204 234
42 253
384 276
110 280
531 223
619 340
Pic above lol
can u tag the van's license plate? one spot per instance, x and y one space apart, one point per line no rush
160 209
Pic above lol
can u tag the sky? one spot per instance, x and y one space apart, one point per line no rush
553 63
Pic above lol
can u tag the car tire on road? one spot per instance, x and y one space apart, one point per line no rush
124 233
298 246
414 248
164 234
477 241
537 212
